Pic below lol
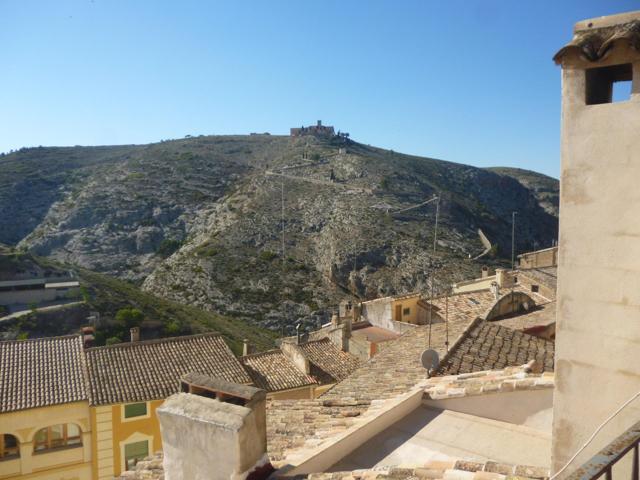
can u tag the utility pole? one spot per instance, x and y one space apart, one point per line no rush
513 240
282 197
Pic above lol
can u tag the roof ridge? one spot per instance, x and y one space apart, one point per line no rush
155 340
41 339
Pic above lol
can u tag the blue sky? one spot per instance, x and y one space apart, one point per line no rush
469 81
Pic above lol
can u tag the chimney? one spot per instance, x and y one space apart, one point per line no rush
247 348
335 321
495 289
485 271
504 279
214 430
298 325
135 334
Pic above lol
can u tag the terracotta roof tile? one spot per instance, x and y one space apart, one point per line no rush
490 381
273 371
487 346
147 370
331 364
41 372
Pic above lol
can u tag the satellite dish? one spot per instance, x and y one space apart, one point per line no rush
430 360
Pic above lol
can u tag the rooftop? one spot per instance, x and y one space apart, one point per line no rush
147 370
41 372
487 346
273 371
329 364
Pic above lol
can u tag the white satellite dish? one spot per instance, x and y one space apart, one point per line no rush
430 360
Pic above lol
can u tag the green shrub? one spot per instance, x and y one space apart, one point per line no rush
113 340
168 246
267 255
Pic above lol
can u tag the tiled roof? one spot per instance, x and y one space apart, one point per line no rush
273 371
464 307
543 314
147 370
487 346
492 381
397 367
41 372
331 364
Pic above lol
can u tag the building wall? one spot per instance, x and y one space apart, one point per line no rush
69 463
399 306
483 283
113 431
539 259
293 394
598 320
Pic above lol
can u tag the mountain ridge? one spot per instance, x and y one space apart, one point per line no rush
199 220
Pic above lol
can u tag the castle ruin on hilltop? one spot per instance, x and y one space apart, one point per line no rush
317 130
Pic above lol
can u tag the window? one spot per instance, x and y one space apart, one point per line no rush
57 436
135 410
535 288
134 452
406 311
9 447
608 84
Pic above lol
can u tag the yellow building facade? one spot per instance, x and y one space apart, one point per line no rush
52 442
123 434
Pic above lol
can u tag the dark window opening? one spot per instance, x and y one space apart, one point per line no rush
406 311
535 288
609 84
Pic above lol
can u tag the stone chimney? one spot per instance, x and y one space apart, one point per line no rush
214 430
135 334
485 271
335 321
504 278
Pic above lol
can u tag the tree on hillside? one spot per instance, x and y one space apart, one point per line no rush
129 317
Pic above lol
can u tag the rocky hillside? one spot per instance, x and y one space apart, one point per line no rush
199 220
106 296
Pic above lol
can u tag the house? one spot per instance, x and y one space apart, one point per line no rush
67 412
299 370
129 381
45 418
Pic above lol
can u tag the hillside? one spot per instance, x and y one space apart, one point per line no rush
546 189
107 295
199 220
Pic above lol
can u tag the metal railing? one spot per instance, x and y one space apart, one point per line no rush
602 462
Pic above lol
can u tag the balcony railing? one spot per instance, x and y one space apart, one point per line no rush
602 463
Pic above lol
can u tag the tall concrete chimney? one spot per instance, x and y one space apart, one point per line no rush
597 338
135 334
214 430
247 348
